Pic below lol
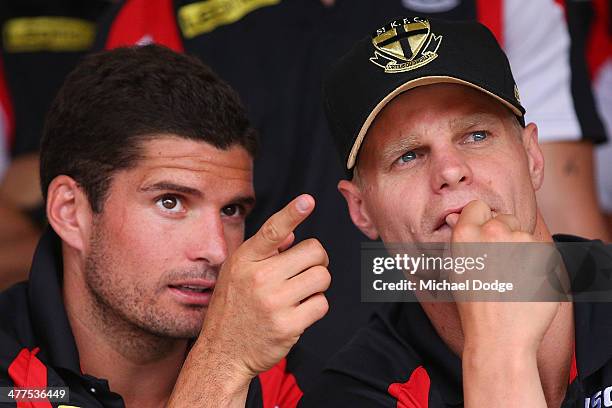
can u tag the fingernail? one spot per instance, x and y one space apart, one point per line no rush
303 204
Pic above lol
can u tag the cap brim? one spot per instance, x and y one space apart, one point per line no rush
404 87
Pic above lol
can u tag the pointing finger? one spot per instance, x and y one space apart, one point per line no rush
273 234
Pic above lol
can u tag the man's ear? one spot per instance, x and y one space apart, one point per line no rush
357 208
535 158
69 212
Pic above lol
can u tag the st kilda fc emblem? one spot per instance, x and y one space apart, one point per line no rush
404 45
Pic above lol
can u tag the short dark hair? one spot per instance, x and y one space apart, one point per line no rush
114 100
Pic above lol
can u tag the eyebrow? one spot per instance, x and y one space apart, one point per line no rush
406 143
169 186
248 200
474 120
412 141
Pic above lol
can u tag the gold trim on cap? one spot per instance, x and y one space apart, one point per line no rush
404 87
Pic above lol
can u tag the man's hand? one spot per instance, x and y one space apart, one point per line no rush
501 339
266 295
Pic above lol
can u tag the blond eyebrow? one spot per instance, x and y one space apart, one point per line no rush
406 143
411 141
474 120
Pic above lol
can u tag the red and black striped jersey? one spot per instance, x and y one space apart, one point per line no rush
37 347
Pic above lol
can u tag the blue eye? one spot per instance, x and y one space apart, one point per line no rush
479 135
408 157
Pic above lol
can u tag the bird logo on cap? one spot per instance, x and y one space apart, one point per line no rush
404 45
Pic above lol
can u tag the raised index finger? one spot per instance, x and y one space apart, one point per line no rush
273 233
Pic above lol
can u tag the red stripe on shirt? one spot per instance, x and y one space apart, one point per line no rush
144 21
279 387
491 14
27 371
573 368
414 393
7 108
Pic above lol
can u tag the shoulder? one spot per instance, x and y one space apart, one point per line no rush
15 329
375 369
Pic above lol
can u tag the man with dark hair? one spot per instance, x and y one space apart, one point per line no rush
429 124
146 170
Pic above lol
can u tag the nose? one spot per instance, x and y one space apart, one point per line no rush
450 170
208 243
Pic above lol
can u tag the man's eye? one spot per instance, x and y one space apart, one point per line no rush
170 203
232 210
479 135
407 157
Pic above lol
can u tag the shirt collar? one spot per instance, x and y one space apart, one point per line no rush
49 319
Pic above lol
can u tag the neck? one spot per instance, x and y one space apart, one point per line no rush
140 366
555 352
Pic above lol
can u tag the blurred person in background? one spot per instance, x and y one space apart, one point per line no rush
41 42
591 26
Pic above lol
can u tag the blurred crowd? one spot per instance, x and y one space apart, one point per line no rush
275 54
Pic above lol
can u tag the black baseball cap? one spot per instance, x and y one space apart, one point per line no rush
404 54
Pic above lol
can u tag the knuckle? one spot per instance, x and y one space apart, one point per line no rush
463 233
312 245
320 305
270 232
282 327
493 227
323 277
259 277
316 248
268 304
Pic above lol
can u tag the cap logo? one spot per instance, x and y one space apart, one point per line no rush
404 45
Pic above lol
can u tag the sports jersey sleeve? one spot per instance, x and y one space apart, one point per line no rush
279 387
537 43
140 22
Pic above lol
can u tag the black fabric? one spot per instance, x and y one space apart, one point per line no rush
33 78
32 315
400 338
580 17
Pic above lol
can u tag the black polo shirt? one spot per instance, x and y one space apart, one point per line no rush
399 360
37 348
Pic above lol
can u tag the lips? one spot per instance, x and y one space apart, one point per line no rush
189 288
196 292
441 220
